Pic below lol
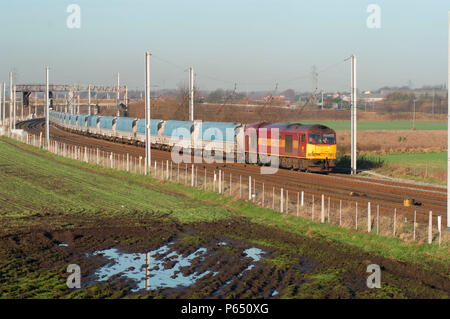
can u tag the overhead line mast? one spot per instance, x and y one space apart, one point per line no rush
148 160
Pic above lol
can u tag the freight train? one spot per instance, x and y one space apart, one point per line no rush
302 147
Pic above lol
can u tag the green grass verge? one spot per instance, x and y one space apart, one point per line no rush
422 167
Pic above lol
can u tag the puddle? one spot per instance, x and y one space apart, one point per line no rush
274 293
63 245
254 253
134 266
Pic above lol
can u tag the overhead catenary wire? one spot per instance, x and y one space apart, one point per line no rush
246 83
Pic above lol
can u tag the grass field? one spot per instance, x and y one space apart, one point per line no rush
425 167
383 125
46 199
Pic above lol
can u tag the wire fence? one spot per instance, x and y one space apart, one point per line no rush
367 217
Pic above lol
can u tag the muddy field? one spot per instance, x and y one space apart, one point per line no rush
211 260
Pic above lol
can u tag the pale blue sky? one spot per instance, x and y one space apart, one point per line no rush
255 43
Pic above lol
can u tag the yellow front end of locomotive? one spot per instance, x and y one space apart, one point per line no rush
321 151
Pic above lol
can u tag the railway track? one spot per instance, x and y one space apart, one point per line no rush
389 195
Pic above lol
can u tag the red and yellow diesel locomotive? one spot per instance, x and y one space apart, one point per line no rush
301 147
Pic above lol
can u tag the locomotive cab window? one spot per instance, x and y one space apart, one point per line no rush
288 145
321 139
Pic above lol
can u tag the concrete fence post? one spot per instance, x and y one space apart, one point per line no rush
128 162
140 160
220 181
287 201
322 210
302 199
231 183
340 212
378 218
298 197
192 176
263 202
167 169
249 188
414 226
328 217
240 186
395 221
312 208
439 225
273 198
369 219
356 216
281 200
254 188
430 227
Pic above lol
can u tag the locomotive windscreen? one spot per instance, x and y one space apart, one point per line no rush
326 138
